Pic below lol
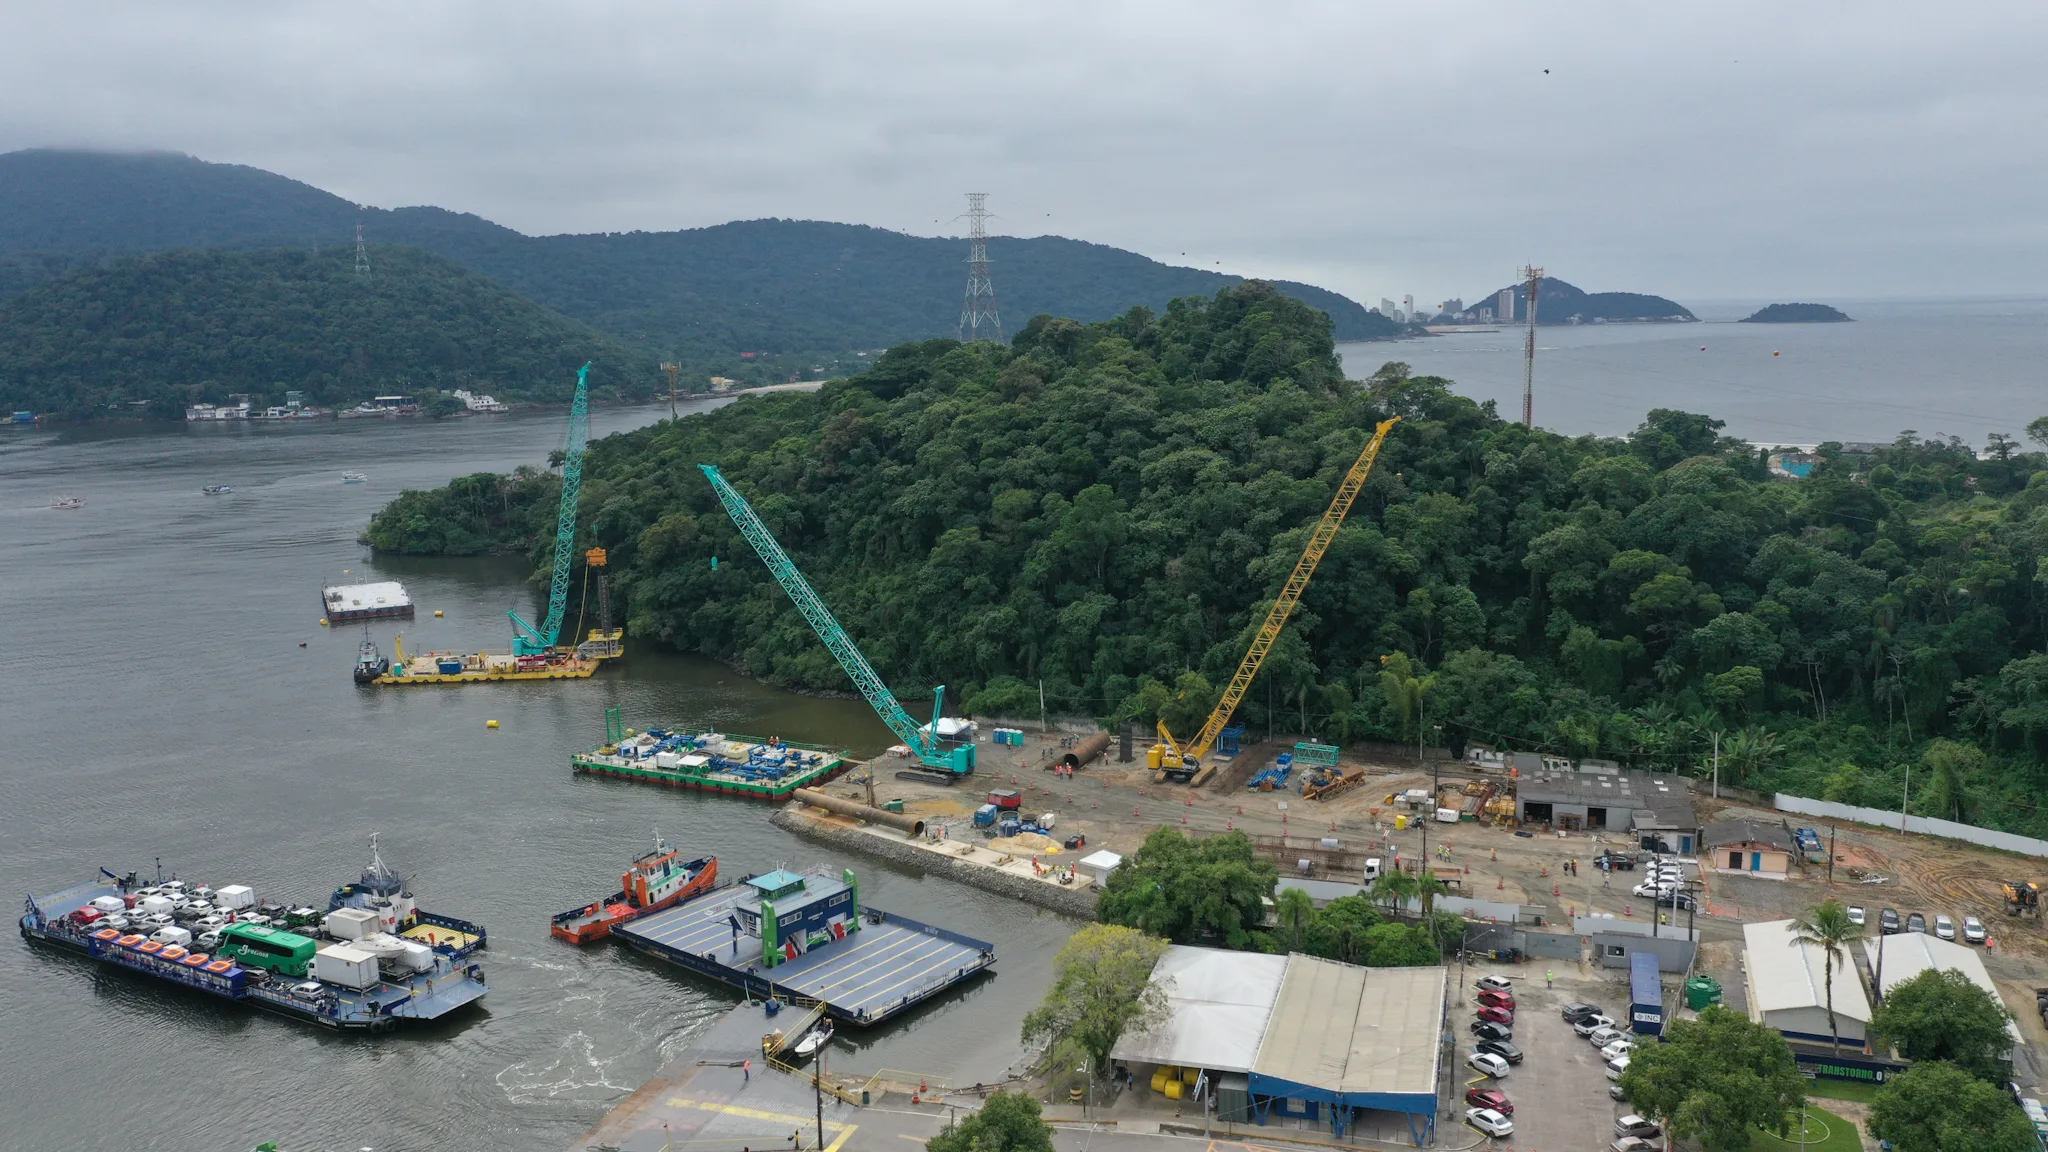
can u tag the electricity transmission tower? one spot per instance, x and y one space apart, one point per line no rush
980 309
1532 279
362 253
671 367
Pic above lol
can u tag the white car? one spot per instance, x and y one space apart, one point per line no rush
1488 1063
1944 927
1856 915
1973 930
1618 1048
1653 887
1592 1024
1490 1122
1602 1037
1493 984
1616 1067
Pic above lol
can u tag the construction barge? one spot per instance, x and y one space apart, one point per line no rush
805 939
476 667
372 961
768 769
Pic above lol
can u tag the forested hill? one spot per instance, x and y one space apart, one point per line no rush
1108 507
1558 302
179 327
759 285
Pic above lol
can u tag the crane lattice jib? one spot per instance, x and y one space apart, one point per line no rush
1290 593
565 521
820 617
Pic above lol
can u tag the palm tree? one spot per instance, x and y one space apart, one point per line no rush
1393 888
1428 888
1293 909
1827 927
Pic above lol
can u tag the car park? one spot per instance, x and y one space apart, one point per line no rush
1502 1049
1973 930
1492 1098
1488 1063
1587 1025
1493 984
1497 1015
1488 1030
1497 1000
1573 1013
1856 915
1618 1048
1634 1125
1916 923
1888 922
1490 1122
1602 1037
1944 927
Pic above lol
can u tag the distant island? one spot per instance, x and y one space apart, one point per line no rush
1797 314
1559 302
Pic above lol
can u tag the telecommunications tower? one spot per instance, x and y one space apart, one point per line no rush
979 312
362 253
1532 280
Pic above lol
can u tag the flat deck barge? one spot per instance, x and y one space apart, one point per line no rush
880 967
763 769
417 969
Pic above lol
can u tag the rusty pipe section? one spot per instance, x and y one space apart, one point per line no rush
1087 751
908 825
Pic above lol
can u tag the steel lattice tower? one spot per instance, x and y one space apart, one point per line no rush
1532 278
980 309
362 253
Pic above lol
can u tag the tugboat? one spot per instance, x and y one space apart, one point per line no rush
370 663
652 882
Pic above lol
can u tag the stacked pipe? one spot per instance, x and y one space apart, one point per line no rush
908 825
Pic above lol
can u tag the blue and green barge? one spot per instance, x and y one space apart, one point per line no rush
758 768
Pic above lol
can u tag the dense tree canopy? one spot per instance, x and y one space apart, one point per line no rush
1007 1122
1715 1078
1941 1014
1101 988
1937 1107
180 327
1109 508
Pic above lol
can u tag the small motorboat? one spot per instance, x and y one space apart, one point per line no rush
218 489
69 502
818 1038
353 478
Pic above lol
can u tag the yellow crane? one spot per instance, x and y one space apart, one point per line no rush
1182 762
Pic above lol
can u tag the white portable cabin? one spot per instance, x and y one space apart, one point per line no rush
1100 864
234 896
350 923
345 966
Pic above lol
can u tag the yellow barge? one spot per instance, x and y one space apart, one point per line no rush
484 667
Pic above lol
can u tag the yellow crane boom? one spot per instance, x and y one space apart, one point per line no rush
1178 759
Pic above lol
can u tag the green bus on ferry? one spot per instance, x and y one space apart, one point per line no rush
271 949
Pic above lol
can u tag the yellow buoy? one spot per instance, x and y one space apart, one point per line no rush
323 621
437 612
490 723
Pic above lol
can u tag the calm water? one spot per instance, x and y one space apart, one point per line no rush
1943 368
162 707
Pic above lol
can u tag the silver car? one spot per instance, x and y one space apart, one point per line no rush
1944 927
1973 930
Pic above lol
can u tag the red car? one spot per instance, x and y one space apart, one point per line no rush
1497 1015
1492 1098
1497 1000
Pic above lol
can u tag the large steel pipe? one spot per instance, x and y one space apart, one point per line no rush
1087 751
909 825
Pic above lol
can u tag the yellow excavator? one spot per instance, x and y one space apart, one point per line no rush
1182 763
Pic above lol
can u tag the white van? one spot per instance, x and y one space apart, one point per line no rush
179 936
1373 867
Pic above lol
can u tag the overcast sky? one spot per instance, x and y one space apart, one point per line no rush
1725 150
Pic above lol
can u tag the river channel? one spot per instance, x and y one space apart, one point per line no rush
163 709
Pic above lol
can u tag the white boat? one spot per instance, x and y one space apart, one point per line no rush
218 489
816 1040
70 502
353 478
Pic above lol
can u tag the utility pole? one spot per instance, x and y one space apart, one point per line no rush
1043 725
671 367
1532 279
980 308
1717 763
817 1088
1907 797
1831 855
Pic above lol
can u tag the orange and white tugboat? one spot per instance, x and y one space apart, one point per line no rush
652 882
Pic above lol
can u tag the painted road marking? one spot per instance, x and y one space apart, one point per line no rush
754 1113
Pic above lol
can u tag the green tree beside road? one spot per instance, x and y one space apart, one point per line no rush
1938 1107
1101 987
1715 1078
1006 1122
1941 1014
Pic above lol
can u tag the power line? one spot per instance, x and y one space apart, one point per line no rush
980 308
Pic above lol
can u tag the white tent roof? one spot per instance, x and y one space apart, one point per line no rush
1102 859
1217 1007
1784 975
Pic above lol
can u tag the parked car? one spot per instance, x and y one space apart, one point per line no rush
1616 1067
1916 923
1488 1063
1856 915
1888 922
1682 901
1632 1144
1973 930
1614 862
1587 1025
1488 1030
1490 1122
1634 1125
1502 1049
1653 887
1944 927
1493 984
1497 1016
1602 1037
1497 1000
1492 1098
1618 1048
1573 1013
1614 1092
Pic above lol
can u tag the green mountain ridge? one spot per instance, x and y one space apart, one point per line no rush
1109 508
1796 314
174 328
783 286
1559 302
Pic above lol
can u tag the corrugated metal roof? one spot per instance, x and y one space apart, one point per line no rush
1218 1004
1784 975
1355 1030
1904 955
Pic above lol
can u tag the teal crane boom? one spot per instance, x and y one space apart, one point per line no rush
526 639
954 762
